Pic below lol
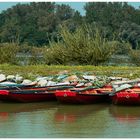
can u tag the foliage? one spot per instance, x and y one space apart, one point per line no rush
81 47
130 32
34 23
135 57
36 56
107 13
64 12
122 48
114 16
37 23
25 48
111 27
8 53
56 54
86 46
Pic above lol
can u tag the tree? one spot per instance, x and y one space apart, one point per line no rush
64 12
130 32
36 23
110 15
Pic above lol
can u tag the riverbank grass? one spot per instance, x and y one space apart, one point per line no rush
33 71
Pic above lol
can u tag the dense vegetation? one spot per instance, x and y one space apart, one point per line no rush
57 34
35 23
84 46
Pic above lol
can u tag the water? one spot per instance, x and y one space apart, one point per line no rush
46 120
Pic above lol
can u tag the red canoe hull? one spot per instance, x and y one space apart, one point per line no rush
31 97
75 98
36 94
125 98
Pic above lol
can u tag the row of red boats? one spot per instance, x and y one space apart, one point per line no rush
128 95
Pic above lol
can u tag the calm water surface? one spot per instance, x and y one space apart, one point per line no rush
45 120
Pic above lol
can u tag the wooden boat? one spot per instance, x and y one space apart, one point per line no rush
35 94
126 96
83 95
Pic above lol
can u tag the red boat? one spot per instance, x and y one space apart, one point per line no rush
83 95
130 96
36 94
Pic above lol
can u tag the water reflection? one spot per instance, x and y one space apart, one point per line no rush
7 108
80 120
45 120
40 120
72 113
125 114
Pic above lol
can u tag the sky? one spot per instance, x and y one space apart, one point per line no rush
75 5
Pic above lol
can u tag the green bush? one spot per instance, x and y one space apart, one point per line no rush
8 53
135 57
25 48
83 47
122 48
55 54
36 56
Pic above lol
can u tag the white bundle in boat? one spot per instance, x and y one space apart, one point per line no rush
41 78
28 82
89 77
64 83
80 84
125 79
2 77
10 77
51 83
70 78
115 86
42 82
123 87
126 82
18 78
138 84
88 84
115 78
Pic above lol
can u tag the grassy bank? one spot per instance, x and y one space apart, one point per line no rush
44 70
